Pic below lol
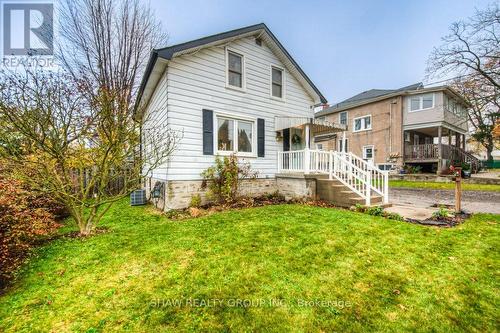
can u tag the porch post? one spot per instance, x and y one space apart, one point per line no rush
344 148
463 141
308 136
440 149
449 137
457 140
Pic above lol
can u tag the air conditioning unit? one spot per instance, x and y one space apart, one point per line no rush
138 198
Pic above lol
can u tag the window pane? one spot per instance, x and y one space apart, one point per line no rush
368 152
277 90
244 136
225 134
357 124
235 79
368 122
234 62
415 103
427 101
343 118
277 76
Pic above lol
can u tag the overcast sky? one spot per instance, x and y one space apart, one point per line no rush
345 47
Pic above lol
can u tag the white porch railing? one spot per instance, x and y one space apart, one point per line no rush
352 171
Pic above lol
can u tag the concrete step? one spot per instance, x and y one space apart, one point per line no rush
337 193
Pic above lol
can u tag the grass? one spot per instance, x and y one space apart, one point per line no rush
443 186
371 274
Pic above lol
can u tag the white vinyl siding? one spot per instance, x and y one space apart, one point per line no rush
198 81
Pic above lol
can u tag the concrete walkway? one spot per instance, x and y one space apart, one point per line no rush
419 201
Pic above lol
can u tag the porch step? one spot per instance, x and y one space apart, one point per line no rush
335 192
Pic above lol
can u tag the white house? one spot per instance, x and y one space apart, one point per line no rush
235 92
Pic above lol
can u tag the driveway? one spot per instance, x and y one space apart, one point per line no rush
472 201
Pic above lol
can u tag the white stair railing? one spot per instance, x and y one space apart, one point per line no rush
355 173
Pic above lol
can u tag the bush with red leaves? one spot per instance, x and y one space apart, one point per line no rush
25 219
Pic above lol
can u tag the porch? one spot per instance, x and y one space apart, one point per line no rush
439 144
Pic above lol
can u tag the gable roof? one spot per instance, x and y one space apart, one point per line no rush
367 97
160 57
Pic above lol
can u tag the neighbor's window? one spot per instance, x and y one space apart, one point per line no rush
277 82
367 152
235 69
235 135
343 118
362 123
385 166
421 102
407 137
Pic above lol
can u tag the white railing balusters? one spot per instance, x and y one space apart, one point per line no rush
354 172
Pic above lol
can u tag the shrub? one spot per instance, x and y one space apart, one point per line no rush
223 179
195 201
411 169
442 213
376 211
25 217
395 216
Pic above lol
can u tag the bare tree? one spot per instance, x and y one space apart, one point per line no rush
484 109
76 132
107 43
471 53
73 148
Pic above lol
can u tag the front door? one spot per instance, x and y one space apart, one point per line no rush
297 139
368 154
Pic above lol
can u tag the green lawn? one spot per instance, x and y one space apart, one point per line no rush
443 186
392 276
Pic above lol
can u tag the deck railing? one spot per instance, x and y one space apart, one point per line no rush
355 173
428 151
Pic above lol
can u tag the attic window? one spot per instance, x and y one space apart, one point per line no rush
258 41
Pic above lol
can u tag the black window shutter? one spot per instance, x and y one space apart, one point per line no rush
286 139
261 141
208 132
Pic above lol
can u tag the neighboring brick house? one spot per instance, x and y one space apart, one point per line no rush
411 125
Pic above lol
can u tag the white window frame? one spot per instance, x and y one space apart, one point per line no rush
283 80
416 139
319 146
421 102
243 70
407 137
346 117
385 164
373 152
362 122
341 140
235 118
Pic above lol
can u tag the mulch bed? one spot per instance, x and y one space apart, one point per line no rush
446 222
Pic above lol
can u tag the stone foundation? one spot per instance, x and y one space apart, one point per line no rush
177 194
296 186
